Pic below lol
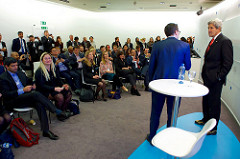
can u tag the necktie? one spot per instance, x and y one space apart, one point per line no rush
211 42
22 46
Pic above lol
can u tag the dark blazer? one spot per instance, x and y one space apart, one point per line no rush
4 45
87 44
130 45
34 50
166 58
9 88
2 69
218 61
119 65
47 87
73 61
47 43
70 43
143 60
16 45
116 43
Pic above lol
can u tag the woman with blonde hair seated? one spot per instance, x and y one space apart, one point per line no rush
106 71
49 83
91 75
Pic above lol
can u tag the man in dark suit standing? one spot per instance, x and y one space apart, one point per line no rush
33 47
217 64
166 58
117 43
86 44
19 91
70 41
47 41
19 44
3 48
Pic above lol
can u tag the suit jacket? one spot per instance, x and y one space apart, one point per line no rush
116 43
87 45
47 87
166 58
130 45
218 61
9 88
16 45
47 43
34 50
70 43
4 46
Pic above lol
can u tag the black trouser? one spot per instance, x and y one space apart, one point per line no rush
211 103
39 102
67 75
76 75
132 78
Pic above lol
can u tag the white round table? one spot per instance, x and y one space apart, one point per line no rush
172 87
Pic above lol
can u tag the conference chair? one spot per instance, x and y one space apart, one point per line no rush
181 143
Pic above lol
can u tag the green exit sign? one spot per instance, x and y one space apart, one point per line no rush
43 23
44 28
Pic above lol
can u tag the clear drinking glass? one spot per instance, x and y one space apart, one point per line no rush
191 75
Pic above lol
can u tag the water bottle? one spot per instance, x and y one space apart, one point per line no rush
181 73
5 145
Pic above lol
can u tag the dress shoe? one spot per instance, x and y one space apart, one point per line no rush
147 89
50 135
137 93
133 91
212 132
149 140
199 122
124 88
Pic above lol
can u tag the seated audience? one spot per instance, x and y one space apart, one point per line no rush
69 52
143 40
125 49
107 73
59 43
150 44
48 82
91 76
125 71
144 60
24 61
158 38
18 91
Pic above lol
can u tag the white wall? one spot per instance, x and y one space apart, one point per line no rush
229 12
18 15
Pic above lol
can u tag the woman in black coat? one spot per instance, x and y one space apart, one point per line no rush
48 82
91 75
125 71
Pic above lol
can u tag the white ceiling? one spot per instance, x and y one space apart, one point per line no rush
139 5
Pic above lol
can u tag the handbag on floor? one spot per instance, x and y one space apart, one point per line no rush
114 94
24 135
86 94
73 106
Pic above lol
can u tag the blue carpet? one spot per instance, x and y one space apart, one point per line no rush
224 145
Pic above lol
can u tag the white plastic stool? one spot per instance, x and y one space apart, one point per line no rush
181 143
